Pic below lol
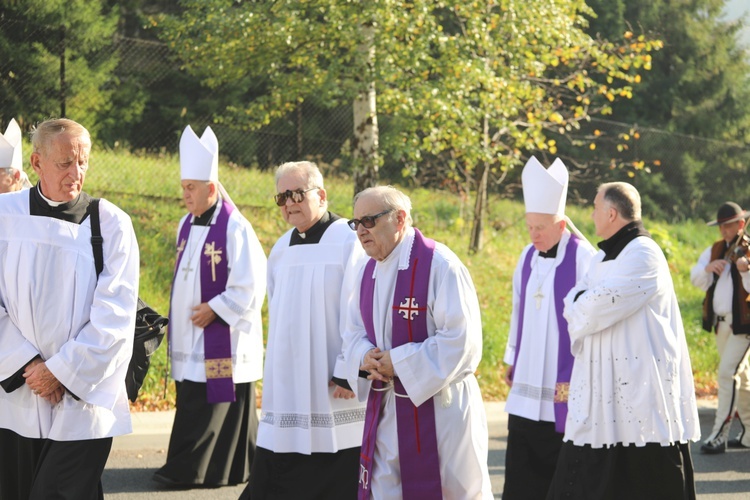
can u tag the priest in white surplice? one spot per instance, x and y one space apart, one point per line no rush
414 324
311 425
631 408
66 337
215 331
538 349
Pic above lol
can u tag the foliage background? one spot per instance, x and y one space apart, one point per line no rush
665 105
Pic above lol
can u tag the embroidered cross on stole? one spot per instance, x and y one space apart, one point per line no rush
417 437
214 271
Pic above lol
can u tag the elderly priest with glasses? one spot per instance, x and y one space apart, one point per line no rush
412 343
311 425
215 331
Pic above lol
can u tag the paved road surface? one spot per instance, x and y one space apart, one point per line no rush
134 459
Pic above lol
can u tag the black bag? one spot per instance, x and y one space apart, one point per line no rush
149 325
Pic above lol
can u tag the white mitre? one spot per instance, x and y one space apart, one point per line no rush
199 157
545 190
10 147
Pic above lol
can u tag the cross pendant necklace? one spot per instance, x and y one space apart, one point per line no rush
538 296
187 267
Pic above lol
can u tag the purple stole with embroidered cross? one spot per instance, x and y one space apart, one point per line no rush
214 269
417 435
565 279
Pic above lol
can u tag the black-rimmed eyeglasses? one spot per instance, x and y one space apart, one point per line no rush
296 196
368 221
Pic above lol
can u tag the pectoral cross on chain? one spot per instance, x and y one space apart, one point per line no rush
187 267
538 296
215 255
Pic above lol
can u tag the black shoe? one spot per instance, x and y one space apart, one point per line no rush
736 443
714 447
168 482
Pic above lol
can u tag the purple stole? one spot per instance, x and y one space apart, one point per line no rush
565 279
417 436
217 342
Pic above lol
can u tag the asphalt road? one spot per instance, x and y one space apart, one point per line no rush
134 459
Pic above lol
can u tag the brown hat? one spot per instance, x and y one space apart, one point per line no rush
728 212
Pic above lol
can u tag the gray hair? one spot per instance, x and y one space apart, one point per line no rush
42 134
624 198
308 168
392 199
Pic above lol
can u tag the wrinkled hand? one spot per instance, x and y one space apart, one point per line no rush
716 266
378 364
42 382
203 315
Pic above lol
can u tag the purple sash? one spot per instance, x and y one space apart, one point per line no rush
417 436
565 279
217 341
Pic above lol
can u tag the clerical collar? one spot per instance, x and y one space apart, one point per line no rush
71 211
618 241
205 218
315 233
551 253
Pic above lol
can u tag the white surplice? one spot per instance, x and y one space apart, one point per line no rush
239 305
53 305
308 288
632 381
535 373
442 367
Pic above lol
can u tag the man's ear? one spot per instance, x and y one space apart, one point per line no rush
323 195
35 159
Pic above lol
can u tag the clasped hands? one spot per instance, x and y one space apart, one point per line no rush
42 382
378 364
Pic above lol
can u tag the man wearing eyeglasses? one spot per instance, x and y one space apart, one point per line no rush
311 425
412 343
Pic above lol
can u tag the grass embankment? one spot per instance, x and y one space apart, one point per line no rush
148 189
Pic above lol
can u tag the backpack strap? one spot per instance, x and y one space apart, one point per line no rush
96 236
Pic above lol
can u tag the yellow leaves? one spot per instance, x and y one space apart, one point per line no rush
556 118
637 78
631 174
657 163
597 132
552 145
592 146
609 96
628 35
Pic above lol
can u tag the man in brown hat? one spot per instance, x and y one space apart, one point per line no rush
722 272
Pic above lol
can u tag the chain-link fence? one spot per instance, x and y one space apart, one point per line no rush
133 95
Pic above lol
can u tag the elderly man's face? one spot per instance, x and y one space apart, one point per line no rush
302 215
198 196
380 240
544 232
62 166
